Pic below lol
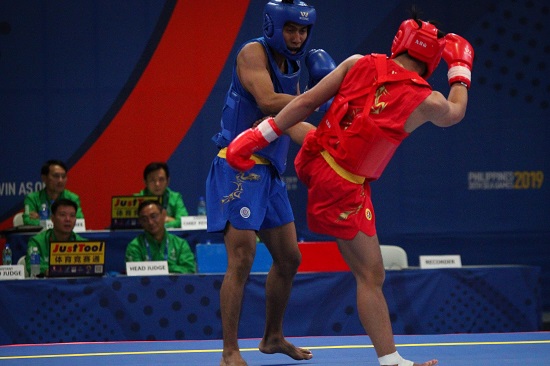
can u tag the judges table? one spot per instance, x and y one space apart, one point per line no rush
116 242
176 307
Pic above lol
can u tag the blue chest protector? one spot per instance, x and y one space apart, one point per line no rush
241 110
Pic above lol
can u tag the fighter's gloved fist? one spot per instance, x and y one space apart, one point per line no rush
240 150
459 56
319 64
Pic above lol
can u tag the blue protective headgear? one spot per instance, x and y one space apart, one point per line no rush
277 14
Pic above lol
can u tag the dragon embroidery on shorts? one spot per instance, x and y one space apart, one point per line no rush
241 178
344 215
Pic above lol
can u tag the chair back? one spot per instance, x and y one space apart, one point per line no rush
394 257
18 219
21 261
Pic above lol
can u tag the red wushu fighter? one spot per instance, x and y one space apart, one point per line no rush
378 102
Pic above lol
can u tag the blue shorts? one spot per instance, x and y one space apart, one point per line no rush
254 200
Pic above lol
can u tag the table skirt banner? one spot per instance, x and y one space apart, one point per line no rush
177 307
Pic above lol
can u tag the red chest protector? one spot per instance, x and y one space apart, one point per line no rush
365 148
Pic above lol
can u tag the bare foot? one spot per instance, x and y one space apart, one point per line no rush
285 347
429 363
232 359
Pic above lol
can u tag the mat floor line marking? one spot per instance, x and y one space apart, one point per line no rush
126 353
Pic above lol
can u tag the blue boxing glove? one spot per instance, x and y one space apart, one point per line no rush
319 64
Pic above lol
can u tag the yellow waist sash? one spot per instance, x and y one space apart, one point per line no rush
350 177
258 159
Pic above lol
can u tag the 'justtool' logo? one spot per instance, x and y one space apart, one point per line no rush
78 248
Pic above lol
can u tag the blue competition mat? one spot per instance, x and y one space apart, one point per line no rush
451 350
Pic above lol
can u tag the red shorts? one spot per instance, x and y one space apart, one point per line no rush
339 204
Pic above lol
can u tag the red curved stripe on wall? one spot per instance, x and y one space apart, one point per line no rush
162 106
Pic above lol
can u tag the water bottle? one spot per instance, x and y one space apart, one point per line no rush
201 207
6 255
35 262
43 215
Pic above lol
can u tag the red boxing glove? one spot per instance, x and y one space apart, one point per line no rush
459 56
240 150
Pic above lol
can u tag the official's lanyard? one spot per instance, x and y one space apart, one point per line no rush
165 199
149 256
49 202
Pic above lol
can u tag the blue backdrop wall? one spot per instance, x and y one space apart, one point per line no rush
110 86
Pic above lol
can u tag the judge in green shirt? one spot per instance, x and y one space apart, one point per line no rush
156 177
157 244
64 219
54 177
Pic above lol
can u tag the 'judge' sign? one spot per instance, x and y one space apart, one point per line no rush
147 268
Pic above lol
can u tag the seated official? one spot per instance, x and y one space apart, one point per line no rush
64 219
157 244
156 177
54 177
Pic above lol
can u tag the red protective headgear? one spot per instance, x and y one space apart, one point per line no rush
421 42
